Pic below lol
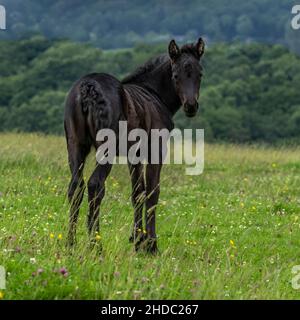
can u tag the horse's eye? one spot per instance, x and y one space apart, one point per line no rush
175 76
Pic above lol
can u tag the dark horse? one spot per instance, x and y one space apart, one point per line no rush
147 99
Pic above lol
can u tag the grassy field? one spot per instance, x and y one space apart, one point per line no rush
231 233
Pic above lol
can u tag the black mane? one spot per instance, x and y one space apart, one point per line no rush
139 74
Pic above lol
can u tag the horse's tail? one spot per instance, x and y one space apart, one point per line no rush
91 95
93 102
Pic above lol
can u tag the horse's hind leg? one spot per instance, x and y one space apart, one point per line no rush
152 191
96 191
77 154
137 197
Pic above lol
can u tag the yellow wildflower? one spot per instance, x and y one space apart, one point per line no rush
59 237
1 295
232 244
51 235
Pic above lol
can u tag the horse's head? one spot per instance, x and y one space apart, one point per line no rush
187 73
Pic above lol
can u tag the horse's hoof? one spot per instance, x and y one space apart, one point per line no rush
70 243
151 246
140 241
97 246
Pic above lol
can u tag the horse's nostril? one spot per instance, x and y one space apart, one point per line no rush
189 107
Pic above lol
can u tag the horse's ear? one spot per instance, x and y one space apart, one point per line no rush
174 51
200 47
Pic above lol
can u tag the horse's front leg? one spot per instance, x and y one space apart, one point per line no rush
96 192
152 196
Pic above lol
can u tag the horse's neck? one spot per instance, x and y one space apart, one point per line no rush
160 82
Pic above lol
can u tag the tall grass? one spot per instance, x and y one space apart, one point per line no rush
230 233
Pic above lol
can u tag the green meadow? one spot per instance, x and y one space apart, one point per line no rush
231 233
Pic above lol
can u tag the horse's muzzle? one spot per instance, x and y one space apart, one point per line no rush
190 109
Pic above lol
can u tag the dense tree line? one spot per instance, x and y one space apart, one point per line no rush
124 23
249 92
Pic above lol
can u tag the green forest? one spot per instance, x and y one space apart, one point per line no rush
250 92
125 23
